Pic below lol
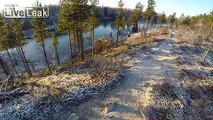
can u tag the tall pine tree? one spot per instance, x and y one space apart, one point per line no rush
120 20
93 22
161 19
2 47
135 16
7 41
65 24
150 11
20 41
152 20
40 32
72 20
171 20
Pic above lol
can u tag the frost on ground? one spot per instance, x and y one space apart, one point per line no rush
164 80
50 97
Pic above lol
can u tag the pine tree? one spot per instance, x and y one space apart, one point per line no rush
135 16
171 20
152 20
2 29
7 41
133 21
120 20
92 22
72 20
186 21
55 47
40 33
182 16
20 41
81 19
65 24
150 11
139 9
161 19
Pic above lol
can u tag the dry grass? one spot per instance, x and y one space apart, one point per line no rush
115 51
138 39
92 73
135 40
159 31
101 45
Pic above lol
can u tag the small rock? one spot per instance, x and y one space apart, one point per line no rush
73 116
109 107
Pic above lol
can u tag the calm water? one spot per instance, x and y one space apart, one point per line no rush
33 50
34 55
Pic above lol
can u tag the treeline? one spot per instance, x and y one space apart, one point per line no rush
102 13
202 23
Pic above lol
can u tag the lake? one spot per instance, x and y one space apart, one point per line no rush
33 50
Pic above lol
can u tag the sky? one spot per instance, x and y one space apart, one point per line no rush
188 7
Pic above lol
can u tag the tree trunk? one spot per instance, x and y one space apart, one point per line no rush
81 46
75 45
93 41
137 27
19 52
70 41
171 25
45 54
8 53
25 60
117 37
57 56
146 28
4 67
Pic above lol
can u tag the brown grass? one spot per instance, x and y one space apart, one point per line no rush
152 36
135 41
159 31
101 45
115 51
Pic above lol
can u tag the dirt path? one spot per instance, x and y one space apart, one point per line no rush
146 66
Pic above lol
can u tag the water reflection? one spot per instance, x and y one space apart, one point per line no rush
33 50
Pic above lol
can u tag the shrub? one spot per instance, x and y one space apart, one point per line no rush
101 45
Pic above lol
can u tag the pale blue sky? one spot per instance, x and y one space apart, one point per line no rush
189 7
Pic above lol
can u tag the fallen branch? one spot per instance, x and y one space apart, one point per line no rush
5 82
13 93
